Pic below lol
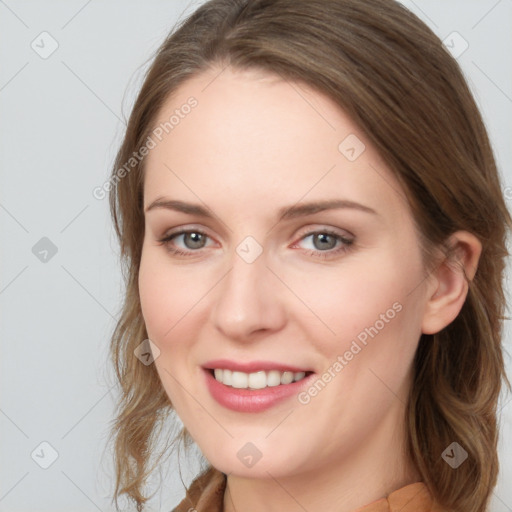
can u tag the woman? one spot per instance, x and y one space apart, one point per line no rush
313 233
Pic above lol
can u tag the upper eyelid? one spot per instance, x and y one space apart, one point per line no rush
318 227
182 230
308 231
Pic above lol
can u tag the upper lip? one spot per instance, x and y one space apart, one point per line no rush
252 366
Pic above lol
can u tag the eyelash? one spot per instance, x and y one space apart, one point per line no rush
345 243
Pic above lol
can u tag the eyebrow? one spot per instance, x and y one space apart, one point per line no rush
285 213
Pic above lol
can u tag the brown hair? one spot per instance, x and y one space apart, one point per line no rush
392 75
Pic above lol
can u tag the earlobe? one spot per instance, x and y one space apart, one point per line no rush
449 283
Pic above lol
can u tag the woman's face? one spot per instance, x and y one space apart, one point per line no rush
299 261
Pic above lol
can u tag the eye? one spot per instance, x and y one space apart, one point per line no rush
188 241
324 243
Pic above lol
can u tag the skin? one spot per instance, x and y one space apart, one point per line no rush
253 145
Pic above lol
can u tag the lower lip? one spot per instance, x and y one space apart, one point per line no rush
252 400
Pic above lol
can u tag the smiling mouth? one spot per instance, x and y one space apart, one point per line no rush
256 380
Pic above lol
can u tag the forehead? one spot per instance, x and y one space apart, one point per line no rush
252 137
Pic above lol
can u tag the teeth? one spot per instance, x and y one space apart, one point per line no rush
256 380
240 380
287 378
273 378
227 377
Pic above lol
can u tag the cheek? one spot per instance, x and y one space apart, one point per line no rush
174 300
379 325
363 292
165 295
154 299
169 299
376 322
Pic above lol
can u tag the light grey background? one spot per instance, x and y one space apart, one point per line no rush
62 119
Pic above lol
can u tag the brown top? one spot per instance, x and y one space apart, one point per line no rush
206 494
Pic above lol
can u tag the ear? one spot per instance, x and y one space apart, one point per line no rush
449 282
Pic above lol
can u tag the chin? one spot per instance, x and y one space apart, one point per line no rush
254 460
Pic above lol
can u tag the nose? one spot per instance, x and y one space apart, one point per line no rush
249 301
